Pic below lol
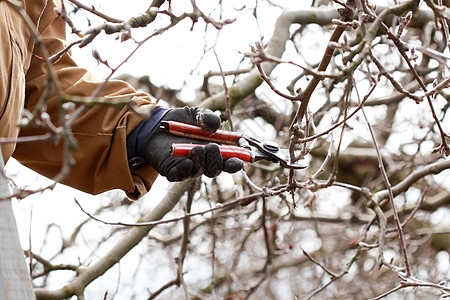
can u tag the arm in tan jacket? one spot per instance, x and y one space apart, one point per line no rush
101 159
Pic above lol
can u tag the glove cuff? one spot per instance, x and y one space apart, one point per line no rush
136 139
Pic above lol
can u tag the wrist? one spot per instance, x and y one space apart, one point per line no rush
136 139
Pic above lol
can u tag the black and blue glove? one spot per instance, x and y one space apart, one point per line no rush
201 160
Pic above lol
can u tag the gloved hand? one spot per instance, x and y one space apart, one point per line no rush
201 160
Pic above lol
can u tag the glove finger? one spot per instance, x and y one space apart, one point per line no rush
232 165
180 169
213 160
197 155
202 117
207 120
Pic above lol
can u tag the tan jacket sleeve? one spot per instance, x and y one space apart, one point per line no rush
101 158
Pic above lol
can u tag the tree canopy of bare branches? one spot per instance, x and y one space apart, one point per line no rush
357 90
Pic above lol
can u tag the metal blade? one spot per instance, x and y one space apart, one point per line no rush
281 156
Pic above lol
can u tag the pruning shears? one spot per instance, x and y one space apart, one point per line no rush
231 144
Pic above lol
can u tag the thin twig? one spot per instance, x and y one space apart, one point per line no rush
391 195
276 191
94 11
227 95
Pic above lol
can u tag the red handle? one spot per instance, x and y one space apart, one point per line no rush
195 132
226 151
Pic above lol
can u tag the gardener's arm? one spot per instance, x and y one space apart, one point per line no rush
101 132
